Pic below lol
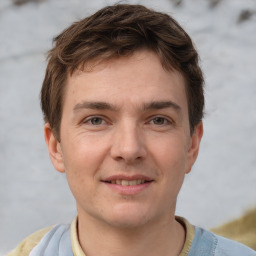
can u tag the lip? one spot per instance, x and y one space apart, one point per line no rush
131 189
125 177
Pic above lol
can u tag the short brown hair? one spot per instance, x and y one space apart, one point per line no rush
120 30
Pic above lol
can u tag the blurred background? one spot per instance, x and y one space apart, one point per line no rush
222 184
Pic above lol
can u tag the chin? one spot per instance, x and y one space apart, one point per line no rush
129 218
128 223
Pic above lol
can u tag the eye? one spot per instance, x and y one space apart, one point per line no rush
159 121
95 121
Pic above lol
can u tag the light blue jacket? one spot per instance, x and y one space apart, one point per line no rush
207 243
57 243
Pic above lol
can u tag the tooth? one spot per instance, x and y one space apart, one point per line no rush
138 182
142 181
118 182
132 182
125 182
113 182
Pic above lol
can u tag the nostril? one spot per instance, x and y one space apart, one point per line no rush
127 145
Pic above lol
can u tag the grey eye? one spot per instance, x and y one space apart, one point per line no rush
159 120
96 121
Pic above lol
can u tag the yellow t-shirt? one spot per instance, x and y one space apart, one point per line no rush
26 246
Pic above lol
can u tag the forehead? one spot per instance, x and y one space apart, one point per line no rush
139 78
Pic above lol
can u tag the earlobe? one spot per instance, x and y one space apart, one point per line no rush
54 148
194 146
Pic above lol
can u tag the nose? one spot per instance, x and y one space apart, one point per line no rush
128 144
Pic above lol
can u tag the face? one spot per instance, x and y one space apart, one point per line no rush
125 141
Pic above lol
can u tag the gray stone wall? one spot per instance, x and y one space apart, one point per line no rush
222 184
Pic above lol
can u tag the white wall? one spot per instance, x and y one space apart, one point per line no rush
222 184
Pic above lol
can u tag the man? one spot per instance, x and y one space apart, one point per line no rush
123 103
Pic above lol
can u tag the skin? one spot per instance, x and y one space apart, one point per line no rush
126 118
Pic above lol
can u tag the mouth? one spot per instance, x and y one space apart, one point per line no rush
124 182
128 185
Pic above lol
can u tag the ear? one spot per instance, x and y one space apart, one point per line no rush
54 148
194 146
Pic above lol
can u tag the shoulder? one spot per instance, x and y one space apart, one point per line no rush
242 230
208 243
227 247
26 246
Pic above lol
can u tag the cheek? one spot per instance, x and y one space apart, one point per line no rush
171 160
81 163
83 153
171 154
81 172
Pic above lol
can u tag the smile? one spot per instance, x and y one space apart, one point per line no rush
127 182
128 185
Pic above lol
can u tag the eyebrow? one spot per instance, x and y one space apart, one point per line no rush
94 105
107 106
161 105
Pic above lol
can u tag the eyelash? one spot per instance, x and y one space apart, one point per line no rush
166 121
91 118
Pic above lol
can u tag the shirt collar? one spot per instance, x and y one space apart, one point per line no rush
190 232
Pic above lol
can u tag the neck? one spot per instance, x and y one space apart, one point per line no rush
165 237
